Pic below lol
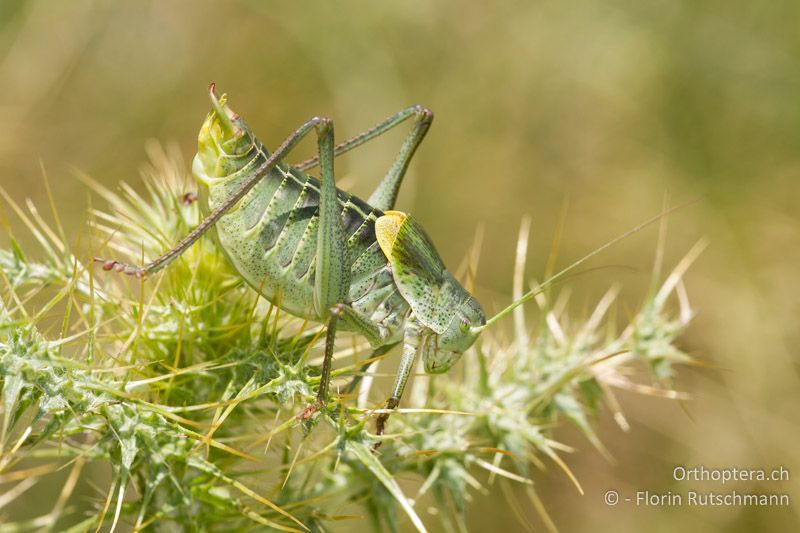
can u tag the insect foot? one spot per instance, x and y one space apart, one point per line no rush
325 376
309 411
116 266
380 423
189 198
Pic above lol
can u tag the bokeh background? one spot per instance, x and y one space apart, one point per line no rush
607 108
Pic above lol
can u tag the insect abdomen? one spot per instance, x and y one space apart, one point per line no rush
270 238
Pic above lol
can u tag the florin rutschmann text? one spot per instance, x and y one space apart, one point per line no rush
746 494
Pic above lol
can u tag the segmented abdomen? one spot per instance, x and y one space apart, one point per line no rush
270 237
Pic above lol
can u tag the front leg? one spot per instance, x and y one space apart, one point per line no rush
412 345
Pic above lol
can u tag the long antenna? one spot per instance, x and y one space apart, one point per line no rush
552 279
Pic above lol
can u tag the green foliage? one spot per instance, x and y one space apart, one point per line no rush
188 387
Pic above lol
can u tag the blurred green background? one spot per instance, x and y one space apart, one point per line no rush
608 108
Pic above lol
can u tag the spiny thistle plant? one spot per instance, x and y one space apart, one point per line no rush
184 391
